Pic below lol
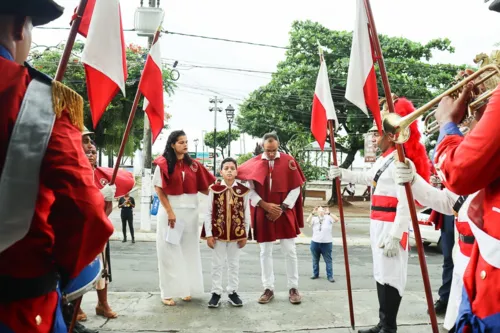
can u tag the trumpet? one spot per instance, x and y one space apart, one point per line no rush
398 127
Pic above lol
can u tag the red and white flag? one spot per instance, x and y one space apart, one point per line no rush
323 108
103 56
151 86
361 89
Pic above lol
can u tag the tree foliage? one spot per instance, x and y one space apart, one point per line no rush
221 139
284 104
109 131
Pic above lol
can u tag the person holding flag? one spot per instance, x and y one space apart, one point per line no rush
45 177
389 218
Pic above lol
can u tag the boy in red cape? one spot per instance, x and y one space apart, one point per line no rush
276 180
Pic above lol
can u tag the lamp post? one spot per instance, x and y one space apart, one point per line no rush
146 22
215 109
196 148
230 118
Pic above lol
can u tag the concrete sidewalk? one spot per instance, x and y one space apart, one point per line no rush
320 311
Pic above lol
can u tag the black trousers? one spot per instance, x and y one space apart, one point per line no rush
389 301
129 218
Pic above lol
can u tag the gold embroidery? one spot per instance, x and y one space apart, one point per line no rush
64 98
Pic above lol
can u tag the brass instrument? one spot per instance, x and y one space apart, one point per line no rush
398 127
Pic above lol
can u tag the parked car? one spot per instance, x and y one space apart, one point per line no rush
427 229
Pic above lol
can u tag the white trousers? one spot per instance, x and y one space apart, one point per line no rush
266 263
225 252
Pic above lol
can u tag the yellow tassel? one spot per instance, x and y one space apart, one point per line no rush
64 98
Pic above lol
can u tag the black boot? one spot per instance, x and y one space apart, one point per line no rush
67 311
393 300
381 311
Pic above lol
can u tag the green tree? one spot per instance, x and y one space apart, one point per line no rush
284 104
109 131
221 139
243 158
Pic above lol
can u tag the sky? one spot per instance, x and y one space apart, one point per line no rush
469 24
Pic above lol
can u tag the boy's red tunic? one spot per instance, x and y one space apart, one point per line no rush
286 175
69 227
228 213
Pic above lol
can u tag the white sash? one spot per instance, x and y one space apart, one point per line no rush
19 182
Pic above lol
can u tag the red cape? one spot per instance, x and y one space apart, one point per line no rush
125 180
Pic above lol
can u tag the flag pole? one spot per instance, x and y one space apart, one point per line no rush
130 120
63 63
342 224
401 156
331 127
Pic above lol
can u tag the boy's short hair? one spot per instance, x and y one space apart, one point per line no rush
228 159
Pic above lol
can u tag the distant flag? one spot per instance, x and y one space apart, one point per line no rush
361 89
103 56
323 108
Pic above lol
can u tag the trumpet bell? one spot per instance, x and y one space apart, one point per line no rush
392 127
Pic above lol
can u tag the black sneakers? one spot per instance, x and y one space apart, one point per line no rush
234 299
214 301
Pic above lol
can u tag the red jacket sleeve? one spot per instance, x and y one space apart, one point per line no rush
78 218
468 164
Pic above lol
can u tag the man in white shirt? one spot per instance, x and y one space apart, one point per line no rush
275 179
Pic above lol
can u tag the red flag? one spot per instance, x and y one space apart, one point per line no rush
323 108
104 54
151 86
125 180
361 88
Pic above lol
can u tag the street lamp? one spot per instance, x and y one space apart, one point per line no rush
230 118
215 109
195 148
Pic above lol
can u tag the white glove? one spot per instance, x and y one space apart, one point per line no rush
334 172
390 245
108 192
405 172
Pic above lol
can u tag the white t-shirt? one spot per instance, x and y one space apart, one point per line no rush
322 229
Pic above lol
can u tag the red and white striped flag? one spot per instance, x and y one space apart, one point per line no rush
151 86
361 89
103 56
323 108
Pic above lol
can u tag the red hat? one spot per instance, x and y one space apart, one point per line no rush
414 149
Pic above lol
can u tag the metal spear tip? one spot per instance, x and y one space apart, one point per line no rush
391 125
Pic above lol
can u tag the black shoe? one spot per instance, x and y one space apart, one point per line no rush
124 240
79 328
133 241
331 280
314 277
214 301
386 330
440 307
234 299
375 329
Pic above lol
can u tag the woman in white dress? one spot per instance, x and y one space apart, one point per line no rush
177 180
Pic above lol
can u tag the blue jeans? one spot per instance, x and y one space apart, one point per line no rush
447 243
325 250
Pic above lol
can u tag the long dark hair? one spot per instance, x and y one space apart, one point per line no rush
169 152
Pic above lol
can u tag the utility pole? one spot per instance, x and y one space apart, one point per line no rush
146 188
215 109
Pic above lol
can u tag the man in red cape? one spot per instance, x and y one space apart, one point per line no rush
276 180
52 222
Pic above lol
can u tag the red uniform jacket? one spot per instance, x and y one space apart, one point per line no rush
469 164
286 176
196 177
69 226
228 213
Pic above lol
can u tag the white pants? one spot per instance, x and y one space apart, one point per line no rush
225 252
266 262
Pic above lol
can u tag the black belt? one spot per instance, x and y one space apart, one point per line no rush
15 289
467 239
384 209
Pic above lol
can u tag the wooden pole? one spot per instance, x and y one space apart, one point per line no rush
63 63
401 156
130 120
76 308
342 224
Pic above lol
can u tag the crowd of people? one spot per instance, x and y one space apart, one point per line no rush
48 161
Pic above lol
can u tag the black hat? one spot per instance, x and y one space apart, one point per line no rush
40 11
495 6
